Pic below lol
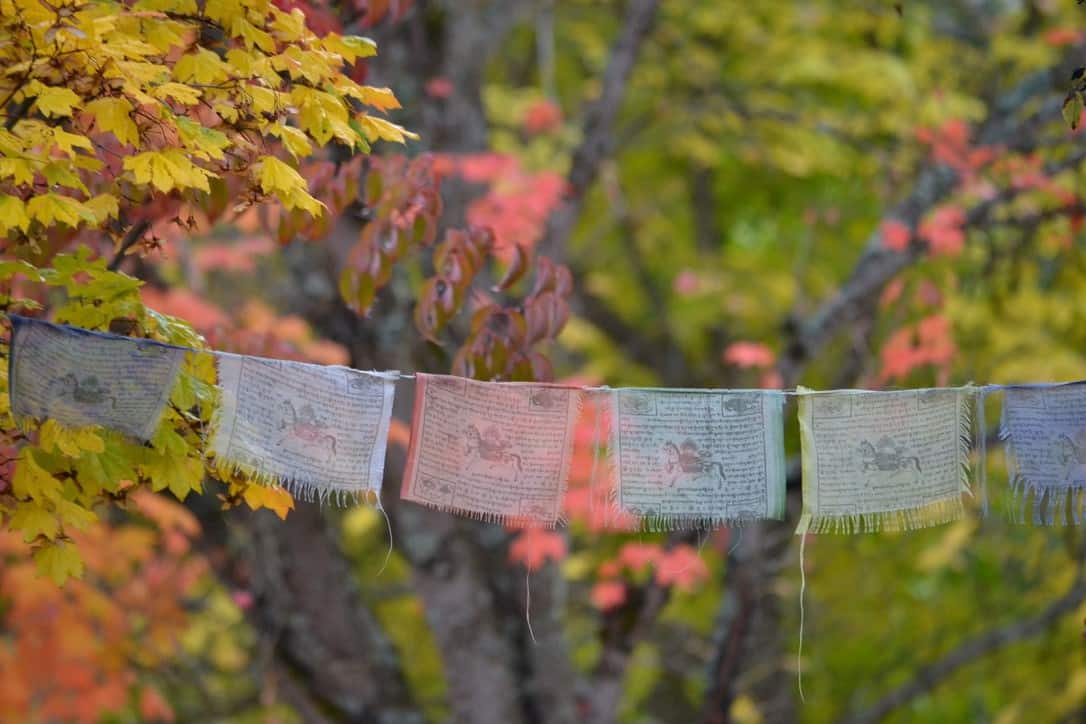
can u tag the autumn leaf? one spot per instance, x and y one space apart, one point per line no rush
607 595
277 500
59 561
113 115
34 520
895 235
534 546
53 100
749 354
681 567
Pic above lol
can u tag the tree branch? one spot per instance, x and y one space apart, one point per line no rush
878 264
133 235
599 120
930 676
325 641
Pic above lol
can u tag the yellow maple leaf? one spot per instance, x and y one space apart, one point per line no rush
379 128
34 520
111 115
104 207
278 177
167 170
293 140
19 170
72 443
59 561
277 500
184 94
50 208
351 47
203 66
68 142
53 100
31 480
74 515
12 214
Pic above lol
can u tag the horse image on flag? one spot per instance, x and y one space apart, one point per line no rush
87 391
1071 453
306 429
491 451
887 457
687 463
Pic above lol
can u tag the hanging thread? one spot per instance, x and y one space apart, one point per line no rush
802 614
528 605
388 525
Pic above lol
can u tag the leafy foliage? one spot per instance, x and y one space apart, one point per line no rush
120 117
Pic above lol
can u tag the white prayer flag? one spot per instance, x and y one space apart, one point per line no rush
316 430
884 460
80 378
698 457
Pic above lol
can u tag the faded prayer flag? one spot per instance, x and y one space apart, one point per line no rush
1045 430
493 451
316 430
698 457
884 460
81 378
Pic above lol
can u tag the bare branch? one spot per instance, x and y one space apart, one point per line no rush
133 235
930 676
599 124
878 264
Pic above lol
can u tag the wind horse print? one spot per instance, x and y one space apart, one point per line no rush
884 460
495 452
81 378
690 458
319 431
1044 427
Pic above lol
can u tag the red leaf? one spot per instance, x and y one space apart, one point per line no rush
542 117
1058 37
607 595
749 354
681 567
943 230
895 235
686 283
534 546
440 88
517 266
637 556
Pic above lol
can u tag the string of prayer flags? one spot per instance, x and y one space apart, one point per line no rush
502 452
1044 427
82 378
698 457
884 460
316 430
499 452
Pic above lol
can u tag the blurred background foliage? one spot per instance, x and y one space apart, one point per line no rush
761 150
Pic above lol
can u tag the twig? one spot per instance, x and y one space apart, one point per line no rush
134 234
599 121
930 676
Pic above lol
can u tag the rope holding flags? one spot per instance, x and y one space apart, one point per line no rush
502 451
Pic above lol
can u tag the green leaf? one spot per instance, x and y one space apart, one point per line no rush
54 101
34 520
59 561
32 480
180 474
1072 108
112 115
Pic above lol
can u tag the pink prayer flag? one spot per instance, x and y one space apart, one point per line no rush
499 452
